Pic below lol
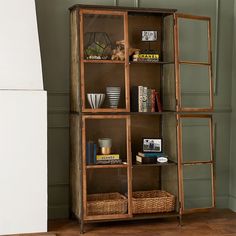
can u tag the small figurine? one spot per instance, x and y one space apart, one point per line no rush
119 52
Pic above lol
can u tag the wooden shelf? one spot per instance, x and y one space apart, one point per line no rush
103 61
127 217
169 163
149 62
104 218
155 215
108 166
126 113
103 110
108 112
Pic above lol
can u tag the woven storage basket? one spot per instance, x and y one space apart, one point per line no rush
152 202
106 204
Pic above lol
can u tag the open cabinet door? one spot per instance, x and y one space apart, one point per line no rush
193 61
196 164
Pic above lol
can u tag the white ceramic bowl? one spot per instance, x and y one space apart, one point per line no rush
95 99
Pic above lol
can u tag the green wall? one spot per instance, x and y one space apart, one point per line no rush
232 191
53 22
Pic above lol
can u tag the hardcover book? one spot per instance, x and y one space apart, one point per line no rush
145 100
108 157
161 154
111 162
91 152
158 99
146 160
137 98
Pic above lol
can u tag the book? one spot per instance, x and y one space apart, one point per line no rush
140 98
145 100
153 103
91 152
152 154
149 100
134 99
158 99
137 98
146 160
108 157
111 162
94 152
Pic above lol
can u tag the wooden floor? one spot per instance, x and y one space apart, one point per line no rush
217 222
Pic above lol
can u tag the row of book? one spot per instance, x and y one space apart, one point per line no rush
93 158
144 99
151 158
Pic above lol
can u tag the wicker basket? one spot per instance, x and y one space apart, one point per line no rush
152 202
106 204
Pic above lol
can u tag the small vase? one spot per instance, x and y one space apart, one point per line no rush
113 94
105 145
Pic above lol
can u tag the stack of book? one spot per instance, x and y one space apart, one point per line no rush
151 158
108 159
144 99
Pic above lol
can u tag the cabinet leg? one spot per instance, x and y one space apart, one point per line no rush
180 220
81 227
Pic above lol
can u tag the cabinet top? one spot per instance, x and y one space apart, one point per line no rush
128 9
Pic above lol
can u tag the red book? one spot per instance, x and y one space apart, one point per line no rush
153 100
158 99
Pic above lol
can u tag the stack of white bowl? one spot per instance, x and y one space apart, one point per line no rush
113 94
95 99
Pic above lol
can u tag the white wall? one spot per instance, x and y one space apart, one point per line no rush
20 62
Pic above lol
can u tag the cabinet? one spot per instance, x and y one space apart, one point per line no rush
183 78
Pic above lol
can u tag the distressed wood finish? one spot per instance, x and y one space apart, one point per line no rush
129 9
74 65
127 83
129 161
103 61
130 126
180 169
75 166
81 53
106 166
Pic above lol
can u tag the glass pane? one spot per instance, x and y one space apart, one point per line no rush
168 39
107 184
145 126
193 40
114 145
100 77
196 139
197 186
195 86
168 87
101 36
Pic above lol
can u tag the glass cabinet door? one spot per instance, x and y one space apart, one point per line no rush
103 59
193 63
196 163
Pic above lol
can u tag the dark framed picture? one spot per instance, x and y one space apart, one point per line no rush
149 35
152 145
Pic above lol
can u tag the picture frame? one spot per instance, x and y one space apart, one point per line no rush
152 145
149 35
